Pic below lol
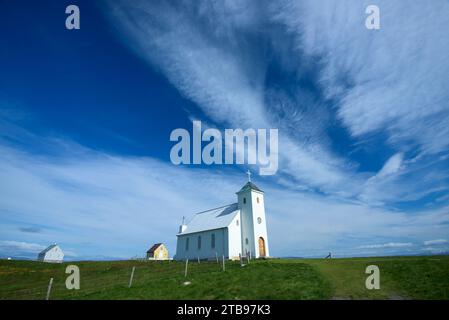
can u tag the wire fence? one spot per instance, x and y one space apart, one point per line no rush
99 279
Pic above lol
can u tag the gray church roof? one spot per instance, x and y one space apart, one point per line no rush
48 249
212 219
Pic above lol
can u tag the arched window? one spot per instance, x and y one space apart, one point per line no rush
187 244
244 200
246 241
257 199
212 240
199 242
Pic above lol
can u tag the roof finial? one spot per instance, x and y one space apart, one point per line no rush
183 218
249 175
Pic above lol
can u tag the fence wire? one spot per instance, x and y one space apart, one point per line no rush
100 279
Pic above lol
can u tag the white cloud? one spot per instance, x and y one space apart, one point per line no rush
102 204
212 63
439 250
26 249
99 204
392 166
389 81
435 242
196 60
19 246
373 190
392 79
386 245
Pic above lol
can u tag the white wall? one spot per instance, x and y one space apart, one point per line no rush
246 222
206 251
235 237
260 230
54 255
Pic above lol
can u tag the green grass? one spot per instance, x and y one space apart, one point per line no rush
401 278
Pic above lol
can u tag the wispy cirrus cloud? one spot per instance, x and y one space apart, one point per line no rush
370 73
376 90
220 56
217 65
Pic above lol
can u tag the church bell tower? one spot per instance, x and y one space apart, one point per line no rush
253 222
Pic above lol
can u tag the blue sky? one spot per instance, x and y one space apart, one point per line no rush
86 115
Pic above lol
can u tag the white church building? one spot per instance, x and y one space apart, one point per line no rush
229 231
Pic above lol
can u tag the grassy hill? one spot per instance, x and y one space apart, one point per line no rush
400 278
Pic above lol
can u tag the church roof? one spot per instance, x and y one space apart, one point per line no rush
212 219
154 247
48 248
250 185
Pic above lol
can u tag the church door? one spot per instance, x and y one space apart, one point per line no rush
261 247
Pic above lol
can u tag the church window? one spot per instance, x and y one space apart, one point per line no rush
237 222
199 242
212 240
246 241
244 200
257 199
259 220
187 244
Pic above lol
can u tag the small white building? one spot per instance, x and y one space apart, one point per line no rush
229 231
52 254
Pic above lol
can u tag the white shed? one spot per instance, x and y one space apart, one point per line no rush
52 254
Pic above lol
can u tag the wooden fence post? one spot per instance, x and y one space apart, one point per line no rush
131 278
224 268
185 272
49 289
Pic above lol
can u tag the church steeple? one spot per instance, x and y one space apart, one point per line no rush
249 185
253 226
